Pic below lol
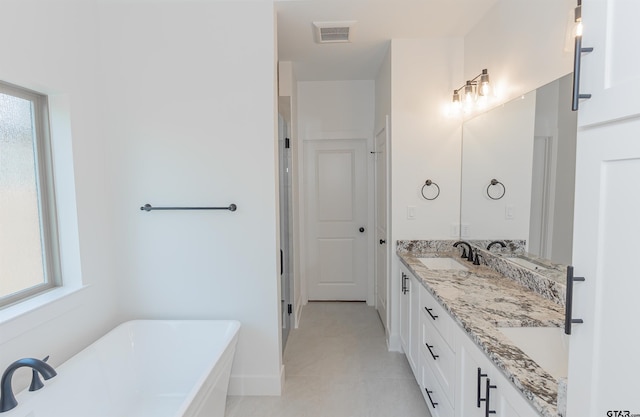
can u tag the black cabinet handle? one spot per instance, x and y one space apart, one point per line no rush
382 241
361 230
404 283
431 352
568 321
480 376
430 400
431 314
577 60
487 409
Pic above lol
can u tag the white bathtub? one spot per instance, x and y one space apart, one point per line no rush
142 368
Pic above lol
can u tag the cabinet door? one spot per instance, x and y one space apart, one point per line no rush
610 73
414 324
604 363
470 386
405 301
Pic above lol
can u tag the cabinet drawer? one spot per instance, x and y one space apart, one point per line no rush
439 357
437 316
433 394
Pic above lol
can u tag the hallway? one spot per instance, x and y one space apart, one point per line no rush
337 365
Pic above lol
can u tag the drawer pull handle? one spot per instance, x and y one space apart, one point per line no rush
487 411
431 314
430 400
431 352
405 287
480 376
568 309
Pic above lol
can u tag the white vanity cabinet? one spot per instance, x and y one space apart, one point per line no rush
453 373
437 354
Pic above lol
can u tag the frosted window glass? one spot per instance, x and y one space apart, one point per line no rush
21 259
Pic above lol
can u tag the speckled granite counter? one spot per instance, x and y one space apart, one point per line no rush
481 300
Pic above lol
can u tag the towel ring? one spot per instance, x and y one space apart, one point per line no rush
429 183
496 182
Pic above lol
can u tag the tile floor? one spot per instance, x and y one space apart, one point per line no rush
337 365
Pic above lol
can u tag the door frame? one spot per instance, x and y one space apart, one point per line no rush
285 229
302 195
387 272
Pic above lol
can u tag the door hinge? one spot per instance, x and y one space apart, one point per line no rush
289 308
287 143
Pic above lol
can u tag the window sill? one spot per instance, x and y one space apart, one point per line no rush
20 317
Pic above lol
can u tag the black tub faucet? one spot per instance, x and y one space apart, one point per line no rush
496 242
470 255
7 398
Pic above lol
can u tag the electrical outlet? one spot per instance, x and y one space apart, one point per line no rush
411 212
510 212
455 229
464 230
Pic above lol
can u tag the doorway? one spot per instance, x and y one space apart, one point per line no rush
336 193
286 248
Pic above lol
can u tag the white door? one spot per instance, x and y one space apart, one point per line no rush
604 363
381 224
610 73
336 212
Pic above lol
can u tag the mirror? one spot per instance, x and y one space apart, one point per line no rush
527 147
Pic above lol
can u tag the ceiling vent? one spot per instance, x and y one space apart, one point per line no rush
333 32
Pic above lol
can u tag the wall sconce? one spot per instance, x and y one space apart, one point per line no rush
478 86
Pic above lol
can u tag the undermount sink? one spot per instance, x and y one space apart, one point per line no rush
526 263
547 346
443 264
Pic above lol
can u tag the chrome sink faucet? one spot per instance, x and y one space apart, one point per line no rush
7 398
464 254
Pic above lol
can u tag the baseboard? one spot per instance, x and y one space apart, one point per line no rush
298 315
267 385
393 343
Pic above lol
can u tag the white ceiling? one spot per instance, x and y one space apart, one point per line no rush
378 21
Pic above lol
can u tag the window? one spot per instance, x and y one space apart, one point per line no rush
29 261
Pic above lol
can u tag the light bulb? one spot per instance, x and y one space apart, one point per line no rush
485 88
484 83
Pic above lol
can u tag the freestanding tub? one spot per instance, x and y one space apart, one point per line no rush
142 368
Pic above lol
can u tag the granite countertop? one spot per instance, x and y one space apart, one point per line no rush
480 301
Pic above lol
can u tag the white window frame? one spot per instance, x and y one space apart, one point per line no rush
46 196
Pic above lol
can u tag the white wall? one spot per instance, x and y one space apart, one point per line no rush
190 120
383 92
335 107
334 110
175 114
51 47
523 44
425 144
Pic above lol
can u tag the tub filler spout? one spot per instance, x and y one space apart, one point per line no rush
7 398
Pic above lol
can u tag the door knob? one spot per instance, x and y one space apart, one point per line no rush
361 230
382 241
